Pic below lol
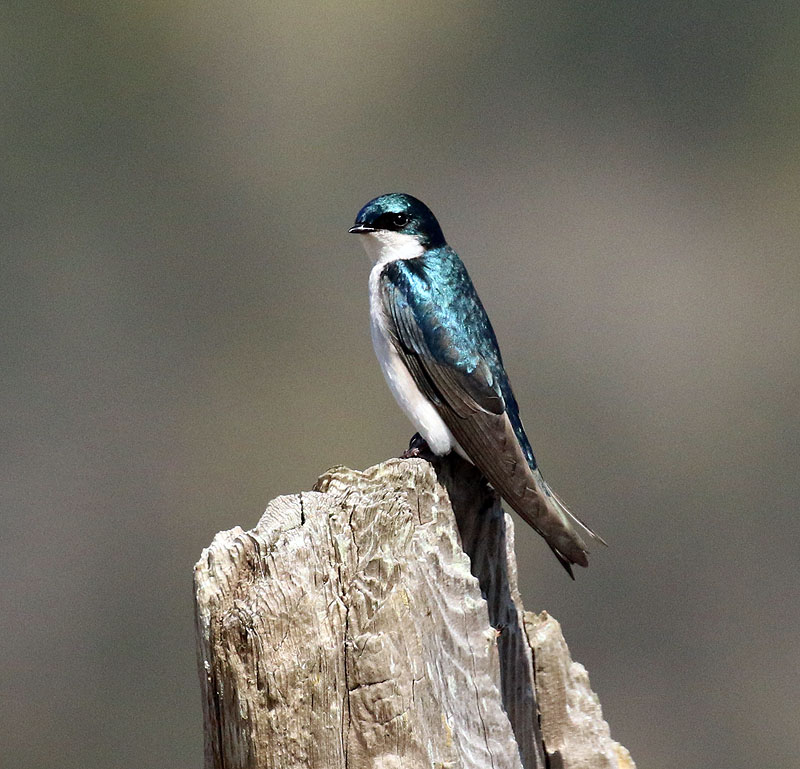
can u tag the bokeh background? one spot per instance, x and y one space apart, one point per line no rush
185 333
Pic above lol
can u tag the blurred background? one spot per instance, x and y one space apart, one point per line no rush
185 331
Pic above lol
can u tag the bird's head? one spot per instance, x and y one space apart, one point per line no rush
397 226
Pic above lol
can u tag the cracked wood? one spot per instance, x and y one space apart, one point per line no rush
350 628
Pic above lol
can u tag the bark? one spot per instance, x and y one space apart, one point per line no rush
376 622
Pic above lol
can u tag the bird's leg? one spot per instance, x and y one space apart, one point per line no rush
417 448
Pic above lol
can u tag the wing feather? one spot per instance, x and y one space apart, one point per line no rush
471 404
466 392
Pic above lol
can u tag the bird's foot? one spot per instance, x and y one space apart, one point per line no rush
417 449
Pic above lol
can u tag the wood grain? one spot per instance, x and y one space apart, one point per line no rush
376 622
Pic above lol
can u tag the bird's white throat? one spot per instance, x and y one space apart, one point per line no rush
384 246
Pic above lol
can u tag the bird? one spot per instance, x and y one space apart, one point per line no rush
439 355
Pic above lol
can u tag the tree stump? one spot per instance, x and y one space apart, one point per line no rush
376 622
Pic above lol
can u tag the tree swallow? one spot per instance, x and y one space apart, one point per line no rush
440 358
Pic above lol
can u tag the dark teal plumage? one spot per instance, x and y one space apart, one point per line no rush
436 323
440 295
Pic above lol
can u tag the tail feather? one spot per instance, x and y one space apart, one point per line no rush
564 561
577 522
507 468
578 528
565 533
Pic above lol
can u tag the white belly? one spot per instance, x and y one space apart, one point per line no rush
416 406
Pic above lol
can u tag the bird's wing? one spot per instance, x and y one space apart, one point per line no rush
460 384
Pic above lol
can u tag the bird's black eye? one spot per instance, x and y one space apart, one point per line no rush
392 220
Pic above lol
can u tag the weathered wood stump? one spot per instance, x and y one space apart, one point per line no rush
376 622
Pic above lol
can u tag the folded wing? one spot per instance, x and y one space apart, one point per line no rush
460 383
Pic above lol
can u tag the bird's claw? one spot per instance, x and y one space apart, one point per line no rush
417 449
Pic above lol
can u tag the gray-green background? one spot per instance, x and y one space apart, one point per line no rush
185 334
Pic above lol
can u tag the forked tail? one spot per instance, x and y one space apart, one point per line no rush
577 531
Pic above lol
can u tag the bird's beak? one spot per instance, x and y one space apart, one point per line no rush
361 229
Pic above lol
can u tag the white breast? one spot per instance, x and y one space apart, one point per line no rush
385 247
